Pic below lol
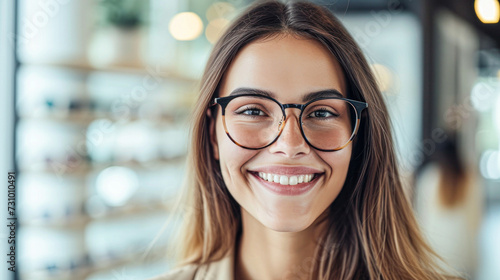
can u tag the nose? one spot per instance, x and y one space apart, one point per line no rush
290 143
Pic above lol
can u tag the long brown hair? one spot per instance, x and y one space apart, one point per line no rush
372 232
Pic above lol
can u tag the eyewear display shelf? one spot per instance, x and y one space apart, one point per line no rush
100 154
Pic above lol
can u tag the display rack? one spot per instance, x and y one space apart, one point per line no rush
59 168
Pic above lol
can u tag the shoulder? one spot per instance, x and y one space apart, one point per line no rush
181 273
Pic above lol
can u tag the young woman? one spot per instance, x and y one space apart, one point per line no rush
292 172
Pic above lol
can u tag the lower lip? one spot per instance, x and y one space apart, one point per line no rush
289 190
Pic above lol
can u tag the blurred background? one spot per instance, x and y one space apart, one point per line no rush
96 96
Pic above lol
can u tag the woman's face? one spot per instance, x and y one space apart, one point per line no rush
288 68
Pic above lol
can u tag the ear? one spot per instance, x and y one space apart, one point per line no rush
213 135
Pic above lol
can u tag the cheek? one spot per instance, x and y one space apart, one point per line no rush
231 158
339 164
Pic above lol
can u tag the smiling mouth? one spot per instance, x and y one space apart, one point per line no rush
287 180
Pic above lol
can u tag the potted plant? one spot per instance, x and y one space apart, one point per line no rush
118 40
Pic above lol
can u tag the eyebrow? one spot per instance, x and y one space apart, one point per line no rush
306 98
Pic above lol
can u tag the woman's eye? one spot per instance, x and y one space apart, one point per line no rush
252 112
322 114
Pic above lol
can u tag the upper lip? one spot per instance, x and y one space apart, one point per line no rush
287 170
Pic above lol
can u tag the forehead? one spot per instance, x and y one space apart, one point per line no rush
285 65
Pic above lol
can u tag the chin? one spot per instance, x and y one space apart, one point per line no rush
288 224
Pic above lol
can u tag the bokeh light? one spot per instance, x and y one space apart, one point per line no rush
186 26
488 11
384 76
115 185
215 29
220 10
489 164
480 96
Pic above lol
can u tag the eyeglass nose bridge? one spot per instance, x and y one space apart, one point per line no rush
281 124
291 105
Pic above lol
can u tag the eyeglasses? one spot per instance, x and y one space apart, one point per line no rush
254 121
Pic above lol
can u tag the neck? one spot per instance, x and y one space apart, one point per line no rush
266 254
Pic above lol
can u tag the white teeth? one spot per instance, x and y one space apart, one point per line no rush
276 178
270 177
285 180
301 179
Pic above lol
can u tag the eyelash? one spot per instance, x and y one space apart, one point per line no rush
248 108
324 110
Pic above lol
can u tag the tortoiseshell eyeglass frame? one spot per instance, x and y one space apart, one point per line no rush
358 106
